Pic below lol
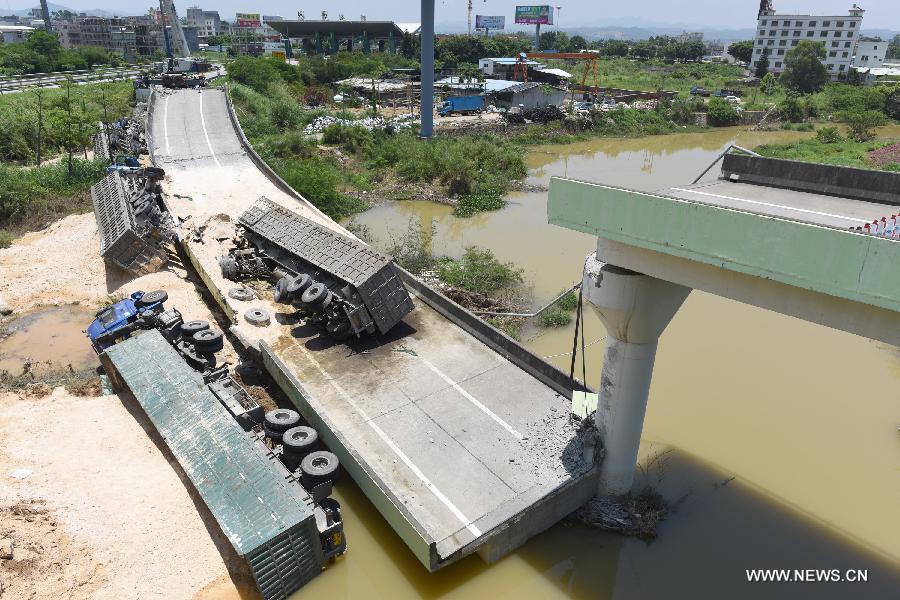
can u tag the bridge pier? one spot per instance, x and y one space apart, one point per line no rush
635 309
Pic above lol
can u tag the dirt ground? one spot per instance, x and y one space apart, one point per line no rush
89 505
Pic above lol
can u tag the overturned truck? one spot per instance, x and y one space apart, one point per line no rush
131 219
336 281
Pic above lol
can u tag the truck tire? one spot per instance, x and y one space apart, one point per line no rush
281 290
241 293
300 441
258 317
298 285
319 467
208 340
189 328
316 297
152 298
278 421
229 267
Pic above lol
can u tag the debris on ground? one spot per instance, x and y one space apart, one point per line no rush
399 122
638 514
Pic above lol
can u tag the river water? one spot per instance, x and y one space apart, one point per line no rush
775 440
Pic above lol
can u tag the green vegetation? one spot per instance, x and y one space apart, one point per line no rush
41 52
742 51
840 152
33 197
862 123
479 272
560 314
46 121
804 71
720 112
657 74
482 200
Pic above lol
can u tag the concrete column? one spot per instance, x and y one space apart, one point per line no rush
427 62
635 309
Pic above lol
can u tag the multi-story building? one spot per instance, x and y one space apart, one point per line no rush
780 33
207 22
870 53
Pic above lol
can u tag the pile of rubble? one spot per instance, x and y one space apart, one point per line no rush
369 123
541 114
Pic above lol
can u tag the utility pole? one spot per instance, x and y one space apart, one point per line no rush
470 17
427 61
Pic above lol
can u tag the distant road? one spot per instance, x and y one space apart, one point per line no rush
10 84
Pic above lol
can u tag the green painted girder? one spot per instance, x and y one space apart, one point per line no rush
854 266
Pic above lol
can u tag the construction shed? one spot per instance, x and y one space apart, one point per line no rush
530 95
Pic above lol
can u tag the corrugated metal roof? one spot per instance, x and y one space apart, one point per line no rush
246 493
521 87
511 61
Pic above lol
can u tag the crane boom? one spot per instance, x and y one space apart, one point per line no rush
177 42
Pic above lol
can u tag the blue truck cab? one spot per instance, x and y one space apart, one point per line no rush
461 104
118 321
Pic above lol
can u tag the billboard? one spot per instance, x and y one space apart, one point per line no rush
534 15
247 20
486 22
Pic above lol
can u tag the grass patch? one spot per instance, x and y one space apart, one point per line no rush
843 153
478 271
480 201
569 301
32 197
554 317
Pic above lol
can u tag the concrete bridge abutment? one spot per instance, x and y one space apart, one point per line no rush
635 309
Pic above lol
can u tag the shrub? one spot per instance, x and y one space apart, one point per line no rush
791 109
318 180
720 112
6 239
412 250
862 123
569 301
478 271
829 135
352 138
554 317
489 198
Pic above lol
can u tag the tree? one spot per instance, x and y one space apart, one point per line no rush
803 68
893 49
742 51
762 64
862 123
577 43
719 111
615 48
768 84
94 55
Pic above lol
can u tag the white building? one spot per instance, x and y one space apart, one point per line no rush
11 34
870 54
207 22
780 33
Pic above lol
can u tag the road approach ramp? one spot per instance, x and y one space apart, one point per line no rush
459 447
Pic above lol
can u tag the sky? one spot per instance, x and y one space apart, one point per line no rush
737 14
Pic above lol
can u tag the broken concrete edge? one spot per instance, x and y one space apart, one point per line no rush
390 507
267 170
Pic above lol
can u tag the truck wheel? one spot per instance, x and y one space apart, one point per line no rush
153 297
316 296
281 290
208 340
298 285
229 267
300 441
241 293
319 467
278 421
189 328
258 317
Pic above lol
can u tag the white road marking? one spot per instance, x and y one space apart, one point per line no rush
206 133
387 440
802 210
166 127
473 399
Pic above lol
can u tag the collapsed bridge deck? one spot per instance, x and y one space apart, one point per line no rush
459 437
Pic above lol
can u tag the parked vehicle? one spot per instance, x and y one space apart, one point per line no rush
583 106
699 91
733 99
463 105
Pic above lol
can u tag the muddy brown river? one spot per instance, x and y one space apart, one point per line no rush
775 440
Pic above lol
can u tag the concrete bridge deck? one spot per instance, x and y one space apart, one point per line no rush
458 446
